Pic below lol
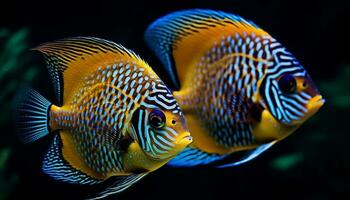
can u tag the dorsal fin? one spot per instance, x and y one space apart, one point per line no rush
70 59
180 38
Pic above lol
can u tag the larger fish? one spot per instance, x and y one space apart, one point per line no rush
239 88
114 117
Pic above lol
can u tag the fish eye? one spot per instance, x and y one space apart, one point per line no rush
305 85
287 84
156 118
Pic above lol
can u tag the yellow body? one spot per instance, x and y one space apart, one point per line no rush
96 87
194 70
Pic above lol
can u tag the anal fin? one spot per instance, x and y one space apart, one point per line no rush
60 169
56 167
120 184
250 155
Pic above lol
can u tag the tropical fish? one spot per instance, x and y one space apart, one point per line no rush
114 117
238 87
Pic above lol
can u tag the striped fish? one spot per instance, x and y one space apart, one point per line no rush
239 88
114 117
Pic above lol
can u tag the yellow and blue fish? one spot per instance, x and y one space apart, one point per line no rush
239 88
114 116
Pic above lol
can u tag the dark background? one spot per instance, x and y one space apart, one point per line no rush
313 163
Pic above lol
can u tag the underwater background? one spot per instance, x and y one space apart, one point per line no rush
313 163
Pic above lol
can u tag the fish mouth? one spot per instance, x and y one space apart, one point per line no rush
185 140
314 104
180 144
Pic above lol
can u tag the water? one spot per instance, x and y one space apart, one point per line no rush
311 164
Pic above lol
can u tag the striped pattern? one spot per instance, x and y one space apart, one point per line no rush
103 88
122 183
250 155
230 82
226 74
56 76
155 142
284 107
194 157
184 23
60 53
59 169
32 117
164 35
226 79
100 111
161 97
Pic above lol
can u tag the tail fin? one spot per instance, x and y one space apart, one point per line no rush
32 117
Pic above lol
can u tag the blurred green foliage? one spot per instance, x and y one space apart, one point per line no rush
16 68
338 90
16 71
7 181
286 162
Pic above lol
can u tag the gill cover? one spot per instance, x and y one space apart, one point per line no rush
157 137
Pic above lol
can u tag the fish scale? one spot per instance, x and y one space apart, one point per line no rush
115 117
100 91
233 82
221 75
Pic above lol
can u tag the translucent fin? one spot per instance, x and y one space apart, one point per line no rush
191 157
32 117
71 59
121 184
181 38
56 167
249 156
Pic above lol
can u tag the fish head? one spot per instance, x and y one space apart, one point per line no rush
160 131
289 93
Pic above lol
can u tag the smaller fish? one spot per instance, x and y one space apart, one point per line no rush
239 88
114 117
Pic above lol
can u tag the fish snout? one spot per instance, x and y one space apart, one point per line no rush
183 141
313 105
